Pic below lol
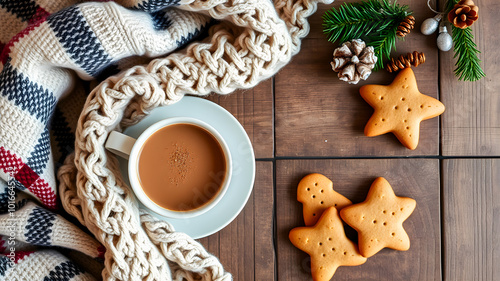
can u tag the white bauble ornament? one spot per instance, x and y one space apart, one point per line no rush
444 40
430 25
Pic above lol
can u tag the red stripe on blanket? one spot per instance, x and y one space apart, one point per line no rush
21 255
101 250
2 244
42 191
39 16
9 162
13 166
26 176
37 19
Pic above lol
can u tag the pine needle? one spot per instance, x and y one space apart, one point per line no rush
468 66
374 21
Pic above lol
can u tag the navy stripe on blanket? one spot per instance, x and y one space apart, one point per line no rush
155 5
40 155
63 272
23 9
39 227
4 264
79 40
160 20
26 94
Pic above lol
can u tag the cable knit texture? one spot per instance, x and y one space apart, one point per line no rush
251 41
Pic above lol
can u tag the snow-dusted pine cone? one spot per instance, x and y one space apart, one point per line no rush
353 61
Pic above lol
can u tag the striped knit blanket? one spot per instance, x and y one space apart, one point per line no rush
52 52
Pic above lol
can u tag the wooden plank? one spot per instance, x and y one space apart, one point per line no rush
254 110
245 247
415 178
471 204
471 123
319 115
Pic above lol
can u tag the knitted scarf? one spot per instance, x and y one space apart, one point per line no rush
49 49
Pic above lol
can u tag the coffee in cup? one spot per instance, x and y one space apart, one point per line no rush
179 167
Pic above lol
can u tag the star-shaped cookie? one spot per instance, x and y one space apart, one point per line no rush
399 108
379 219
316 193
327 245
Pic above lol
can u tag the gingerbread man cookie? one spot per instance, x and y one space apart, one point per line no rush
316 193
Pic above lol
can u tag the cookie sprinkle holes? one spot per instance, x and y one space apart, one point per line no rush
345 253
393 213
320 243
374 221
321 202
409 109
396 107
385 223
383 119
333 249
381 98
384 211
308 189
421 106
403 99
314 196
321 191
407 128
329 238
324 255
393 234
315 184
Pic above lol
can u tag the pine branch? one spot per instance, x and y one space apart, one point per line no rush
374 21
382 44
468 66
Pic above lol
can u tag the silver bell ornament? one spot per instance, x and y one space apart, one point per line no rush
430 25
444 40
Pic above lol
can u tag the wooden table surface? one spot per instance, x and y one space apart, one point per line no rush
305 120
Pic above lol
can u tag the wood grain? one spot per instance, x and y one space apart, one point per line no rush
245 247
319 115
254 110
471 123
415 178
471 197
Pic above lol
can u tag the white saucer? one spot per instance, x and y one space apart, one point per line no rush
242 155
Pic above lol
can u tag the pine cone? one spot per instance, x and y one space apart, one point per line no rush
353 61
463 14
405 26
402 61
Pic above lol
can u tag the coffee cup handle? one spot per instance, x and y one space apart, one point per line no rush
119 144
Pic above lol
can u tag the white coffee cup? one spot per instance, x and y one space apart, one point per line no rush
130 148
